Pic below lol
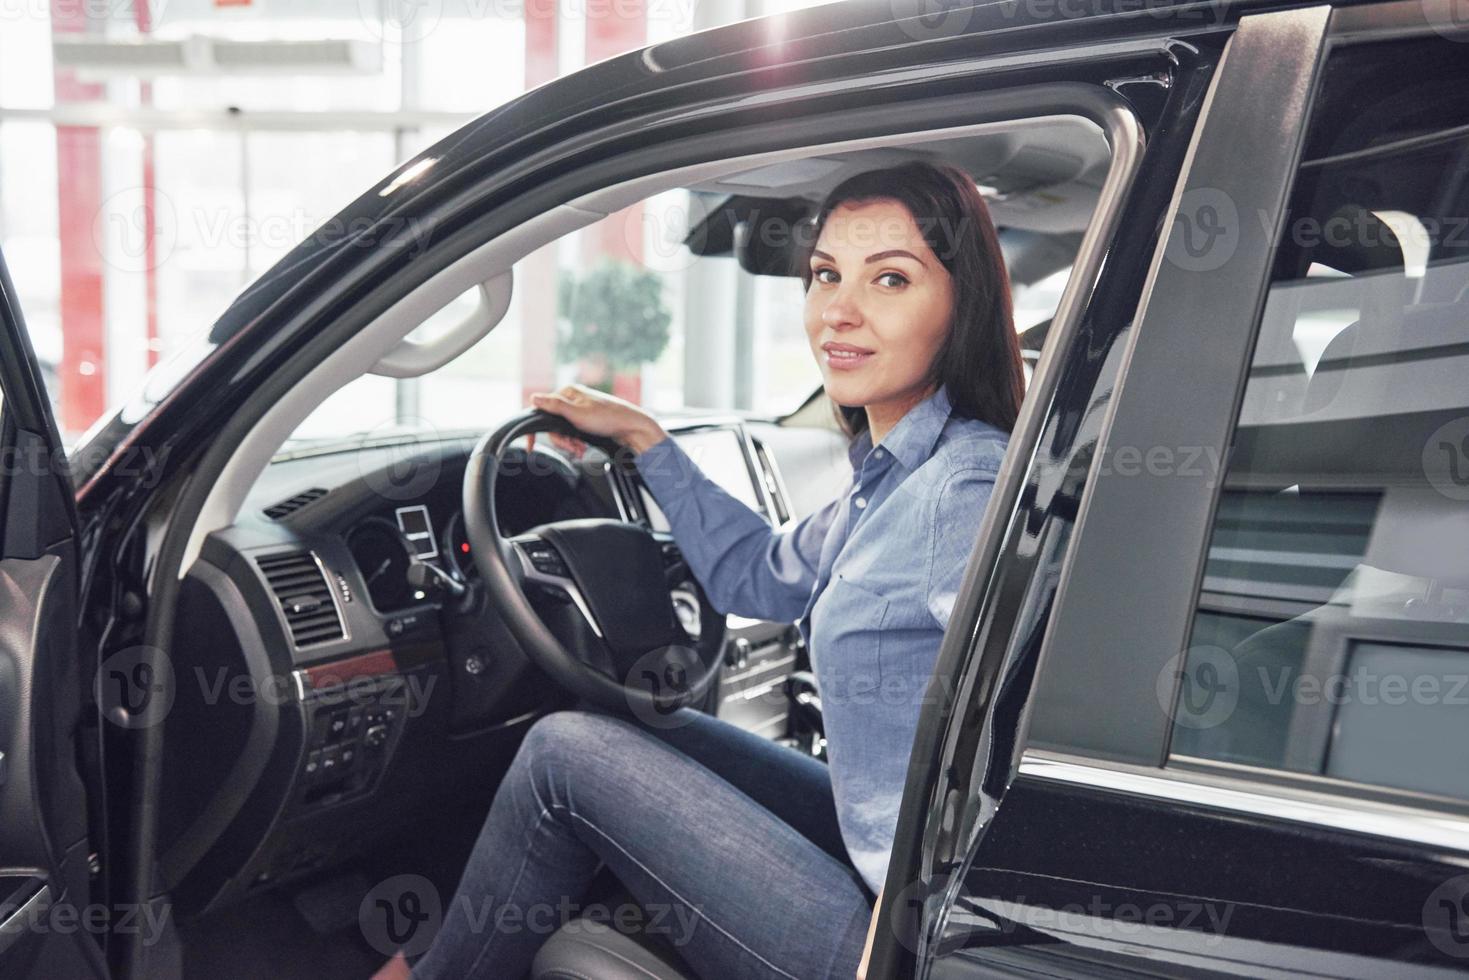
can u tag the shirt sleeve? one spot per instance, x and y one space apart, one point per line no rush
958 510
746 567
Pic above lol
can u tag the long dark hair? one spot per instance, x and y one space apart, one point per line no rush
979 361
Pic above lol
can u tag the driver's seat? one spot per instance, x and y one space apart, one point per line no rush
584 949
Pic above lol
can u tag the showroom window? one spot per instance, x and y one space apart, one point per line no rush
1331 635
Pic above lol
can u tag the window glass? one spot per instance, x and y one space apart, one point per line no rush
1332 629
622 305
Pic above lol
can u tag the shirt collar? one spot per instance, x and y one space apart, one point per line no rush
911 441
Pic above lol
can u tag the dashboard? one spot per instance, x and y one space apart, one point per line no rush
348 580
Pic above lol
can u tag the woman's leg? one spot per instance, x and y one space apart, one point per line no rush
790 784
736 890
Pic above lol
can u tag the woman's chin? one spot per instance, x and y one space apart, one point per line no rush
844 393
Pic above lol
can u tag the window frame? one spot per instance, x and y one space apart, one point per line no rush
1120 740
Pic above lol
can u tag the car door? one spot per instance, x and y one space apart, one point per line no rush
49 924
1243 749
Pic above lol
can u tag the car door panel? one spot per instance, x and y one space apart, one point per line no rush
1094 852
49 925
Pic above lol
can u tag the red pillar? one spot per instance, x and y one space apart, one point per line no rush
82 372
150 201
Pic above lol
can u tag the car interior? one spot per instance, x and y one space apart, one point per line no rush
350 571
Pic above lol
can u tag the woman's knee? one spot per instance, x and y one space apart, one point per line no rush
560 745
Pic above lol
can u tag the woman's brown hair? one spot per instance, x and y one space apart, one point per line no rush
979 361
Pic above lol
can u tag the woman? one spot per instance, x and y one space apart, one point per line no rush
768 861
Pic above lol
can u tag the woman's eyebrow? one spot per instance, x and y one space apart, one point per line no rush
892 253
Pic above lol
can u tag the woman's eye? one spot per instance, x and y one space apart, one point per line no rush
825 275
892 280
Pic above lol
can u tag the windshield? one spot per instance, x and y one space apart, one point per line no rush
622 305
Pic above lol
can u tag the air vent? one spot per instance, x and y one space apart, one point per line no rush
773 486
300 586
293 504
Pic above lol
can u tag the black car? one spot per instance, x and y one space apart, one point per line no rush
1203 704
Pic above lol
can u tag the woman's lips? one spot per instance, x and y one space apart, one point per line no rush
846 357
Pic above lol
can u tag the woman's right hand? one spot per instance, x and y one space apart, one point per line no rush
600 414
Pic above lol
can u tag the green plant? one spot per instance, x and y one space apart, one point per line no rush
614 313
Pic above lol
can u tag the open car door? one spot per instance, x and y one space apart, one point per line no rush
49 925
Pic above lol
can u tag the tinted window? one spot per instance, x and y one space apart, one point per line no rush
1332 629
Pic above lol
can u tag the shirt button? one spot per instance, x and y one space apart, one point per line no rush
860 502
877 453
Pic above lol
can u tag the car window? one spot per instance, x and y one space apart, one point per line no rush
1331 635
622 305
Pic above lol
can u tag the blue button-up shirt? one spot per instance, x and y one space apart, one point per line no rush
870 578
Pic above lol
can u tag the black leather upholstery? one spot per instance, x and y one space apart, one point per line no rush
586 950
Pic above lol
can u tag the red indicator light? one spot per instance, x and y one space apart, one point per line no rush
464 547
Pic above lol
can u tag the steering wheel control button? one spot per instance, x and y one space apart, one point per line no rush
544 559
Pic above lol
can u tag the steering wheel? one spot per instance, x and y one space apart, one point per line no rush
640 647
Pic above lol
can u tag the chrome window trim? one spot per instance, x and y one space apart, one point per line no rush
1229 794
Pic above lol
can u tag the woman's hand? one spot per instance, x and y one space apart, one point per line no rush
603 415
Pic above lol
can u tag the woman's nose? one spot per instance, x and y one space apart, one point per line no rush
841 311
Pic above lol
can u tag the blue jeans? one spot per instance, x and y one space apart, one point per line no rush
727 840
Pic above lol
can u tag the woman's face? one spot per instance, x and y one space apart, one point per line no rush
878 308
